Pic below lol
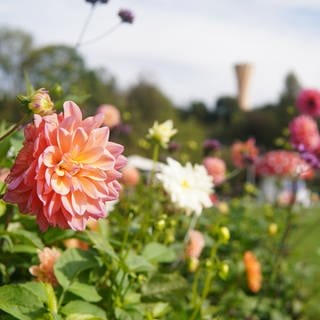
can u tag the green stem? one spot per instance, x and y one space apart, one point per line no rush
207 284
195 288
14 128
155 158
52 300
232 174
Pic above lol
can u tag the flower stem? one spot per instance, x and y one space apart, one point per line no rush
85 26
155 158
101 36
14 128
206 287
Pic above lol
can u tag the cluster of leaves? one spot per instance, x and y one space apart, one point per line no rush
135 266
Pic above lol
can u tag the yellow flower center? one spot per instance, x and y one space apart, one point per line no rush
185 184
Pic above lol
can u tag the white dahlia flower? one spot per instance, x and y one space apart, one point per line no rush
189 187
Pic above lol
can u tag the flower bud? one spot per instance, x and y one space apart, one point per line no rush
224 234
160 225
208 264
223 207
273 229
224 270
40 103
193 264
169 237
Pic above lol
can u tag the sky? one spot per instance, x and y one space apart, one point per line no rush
187 47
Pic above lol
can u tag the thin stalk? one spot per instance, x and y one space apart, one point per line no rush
191 227
207 284
85 26
14 128
101 36
232 174
155 158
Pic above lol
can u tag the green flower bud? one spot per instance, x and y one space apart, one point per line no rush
208 264
273 229
160 225
193 264
224 270
40 103
225 234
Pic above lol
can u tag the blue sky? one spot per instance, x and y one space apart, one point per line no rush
187 47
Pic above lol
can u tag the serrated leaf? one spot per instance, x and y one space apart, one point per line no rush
21 303
27 237
79 316
53 235
85 291
136 263
162 287
36 288
71 263
78 307
157 253
23 248
102 245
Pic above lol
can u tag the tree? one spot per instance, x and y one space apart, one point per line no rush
292 87
15 47
54 64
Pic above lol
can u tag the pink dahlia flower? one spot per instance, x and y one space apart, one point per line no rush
130 176
283 163
244 153
304 131
66 171
111 115
195 244
308 102
216 168
44 271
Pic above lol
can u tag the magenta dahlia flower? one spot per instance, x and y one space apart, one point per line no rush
66 171
308 102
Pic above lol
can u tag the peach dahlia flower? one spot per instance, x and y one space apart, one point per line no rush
67 169
195 244
44 271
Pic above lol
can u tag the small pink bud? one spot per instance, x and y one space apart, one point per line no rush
40 103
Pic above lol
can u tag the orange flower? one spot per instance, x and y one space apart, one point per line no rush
44 271
195 244
244 153
76 243
253 270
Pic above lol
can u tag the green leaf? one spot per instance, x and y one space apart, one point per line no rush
22 248
80 316
102 245
164 287
54 235
36 288
137 263
78 307
27 237
21 303
71 263
85 291
157 253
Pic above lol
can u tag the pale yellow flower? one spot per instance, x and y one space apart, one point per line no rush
162 132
